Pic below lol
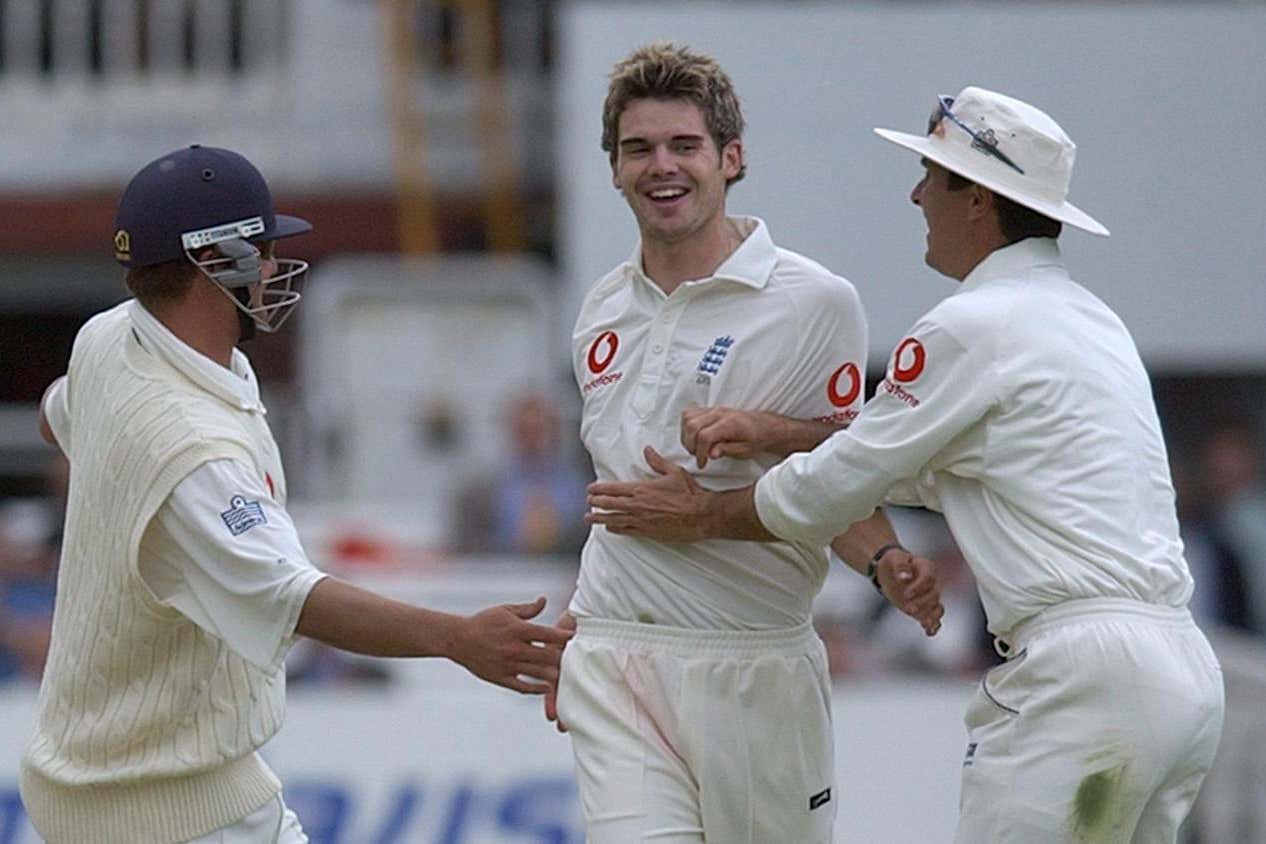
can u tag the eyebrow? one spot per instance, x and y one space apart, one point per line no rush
640 140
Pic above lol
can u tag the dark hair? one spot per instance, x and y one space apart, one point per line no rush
159 284
668 72
1015 220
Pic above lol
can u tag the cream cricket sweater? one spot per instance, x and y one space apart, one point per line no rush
147 726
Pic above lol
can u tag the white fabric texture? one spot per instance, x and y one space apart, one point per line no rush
1019 408
1099 729
273 824
770 330
682 736
236 385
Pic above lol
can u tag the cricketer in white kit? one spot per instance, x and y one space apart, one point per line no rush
182 582
696 691
769 330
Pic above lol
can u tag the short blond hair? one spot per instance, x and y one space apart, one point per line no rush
665 71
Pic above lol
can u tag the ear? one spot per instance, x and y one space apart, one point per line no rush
981 203
732 159
615 170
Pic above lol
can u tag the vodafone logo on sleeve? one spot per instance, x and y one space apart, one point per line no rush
842 389
908 362
844 385
601 353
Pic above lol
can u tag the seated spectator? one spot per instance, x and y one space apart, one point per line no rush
1218 599
1232 465
30 544
534 503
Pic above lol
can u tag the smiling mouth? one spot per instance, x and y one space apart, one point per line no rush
666 195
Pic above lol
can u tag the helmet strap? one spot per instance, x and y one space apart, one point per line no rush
245 322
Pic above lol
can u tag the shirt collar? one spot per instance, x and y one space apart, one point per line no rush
1013 260
752 263
236 386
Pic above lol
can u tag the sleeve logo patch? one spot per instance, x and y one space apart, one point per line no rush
242 515
844 385
602 351
907 365
908 361
817 801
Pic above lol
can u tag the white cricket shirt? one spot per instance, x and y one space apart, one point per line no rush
770 330
1018 407
225 554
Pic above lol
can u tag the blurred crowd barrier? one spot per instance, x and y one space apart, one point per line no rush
444 762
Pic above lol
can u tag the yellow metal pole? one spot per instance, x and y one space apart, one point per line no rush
503 214
415 208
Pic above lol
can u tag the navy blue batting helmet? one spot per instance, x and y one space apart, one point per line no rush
192 197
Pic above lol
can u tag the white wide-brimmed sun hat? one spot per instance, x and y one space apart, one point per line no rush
1005 145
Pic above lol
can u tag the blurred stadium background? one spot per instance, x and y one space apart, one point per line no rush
447 152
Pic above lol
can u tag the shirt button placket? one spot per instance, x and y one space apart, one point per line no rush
659 340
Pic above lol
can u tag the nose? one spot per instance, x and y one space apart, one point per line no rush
917 193
662 161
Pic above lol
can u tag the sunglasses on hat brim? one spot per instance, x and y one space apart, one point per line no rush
986 143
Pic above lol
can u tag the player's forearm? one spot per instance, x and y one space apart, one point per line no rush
674 507
732 515
360 621
784 435
857 545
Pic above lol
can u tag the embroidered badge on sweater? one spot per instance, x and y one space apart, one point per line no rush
242 515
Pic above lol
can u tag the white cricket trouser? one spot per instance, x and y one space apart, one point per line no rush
1100 727
273 824
685 736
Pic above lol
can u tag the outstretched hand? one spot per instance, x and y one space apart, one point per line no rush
910 583
668 507
501 646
